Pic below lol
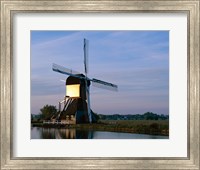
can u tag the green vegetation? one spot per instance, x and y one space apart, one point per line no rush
45 113
145 116
157 127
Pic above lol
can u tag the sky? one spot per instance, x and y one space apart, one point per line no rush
136 61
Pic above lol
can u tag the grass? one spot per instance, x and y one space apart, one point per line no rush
157 127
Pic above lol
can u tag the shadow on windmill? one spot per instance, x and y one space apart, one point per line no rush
75 107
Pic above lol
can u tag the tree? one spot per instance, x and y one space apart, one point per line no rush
150 116
48 111
32 116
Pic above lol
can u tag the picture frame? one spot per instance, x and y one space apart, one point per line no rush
10 8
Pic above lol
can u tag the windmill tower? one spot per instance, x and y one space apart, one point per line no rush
77 99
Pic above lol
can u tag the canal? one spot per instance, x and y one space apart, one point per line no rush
63 133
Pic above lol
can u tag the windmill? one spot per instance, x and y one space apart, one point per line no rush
84 80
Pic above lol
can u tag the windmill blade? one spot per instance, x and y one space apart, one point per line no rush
88 103
87 89
64 70
104 85
85 48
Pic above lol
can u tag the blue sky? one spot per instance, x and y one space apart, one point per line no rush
137 61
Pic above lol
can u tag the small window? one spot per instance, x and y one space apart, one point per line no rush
73 90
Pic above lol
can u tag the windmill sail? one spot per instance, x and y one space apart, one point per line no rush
85 48
87 89
64 70
103 84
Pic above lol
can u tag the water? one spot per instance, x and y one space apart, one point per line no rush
55 133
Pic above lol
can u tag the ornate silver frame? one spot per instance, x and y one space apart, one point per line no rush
10 8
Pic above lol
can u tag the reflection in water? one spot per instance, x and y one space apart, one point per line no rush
62 133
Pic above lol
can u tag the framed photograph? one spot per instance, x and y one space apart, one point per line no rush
102 108
100 84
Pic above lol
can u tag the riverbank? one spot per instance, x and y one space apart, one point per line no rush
151 127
